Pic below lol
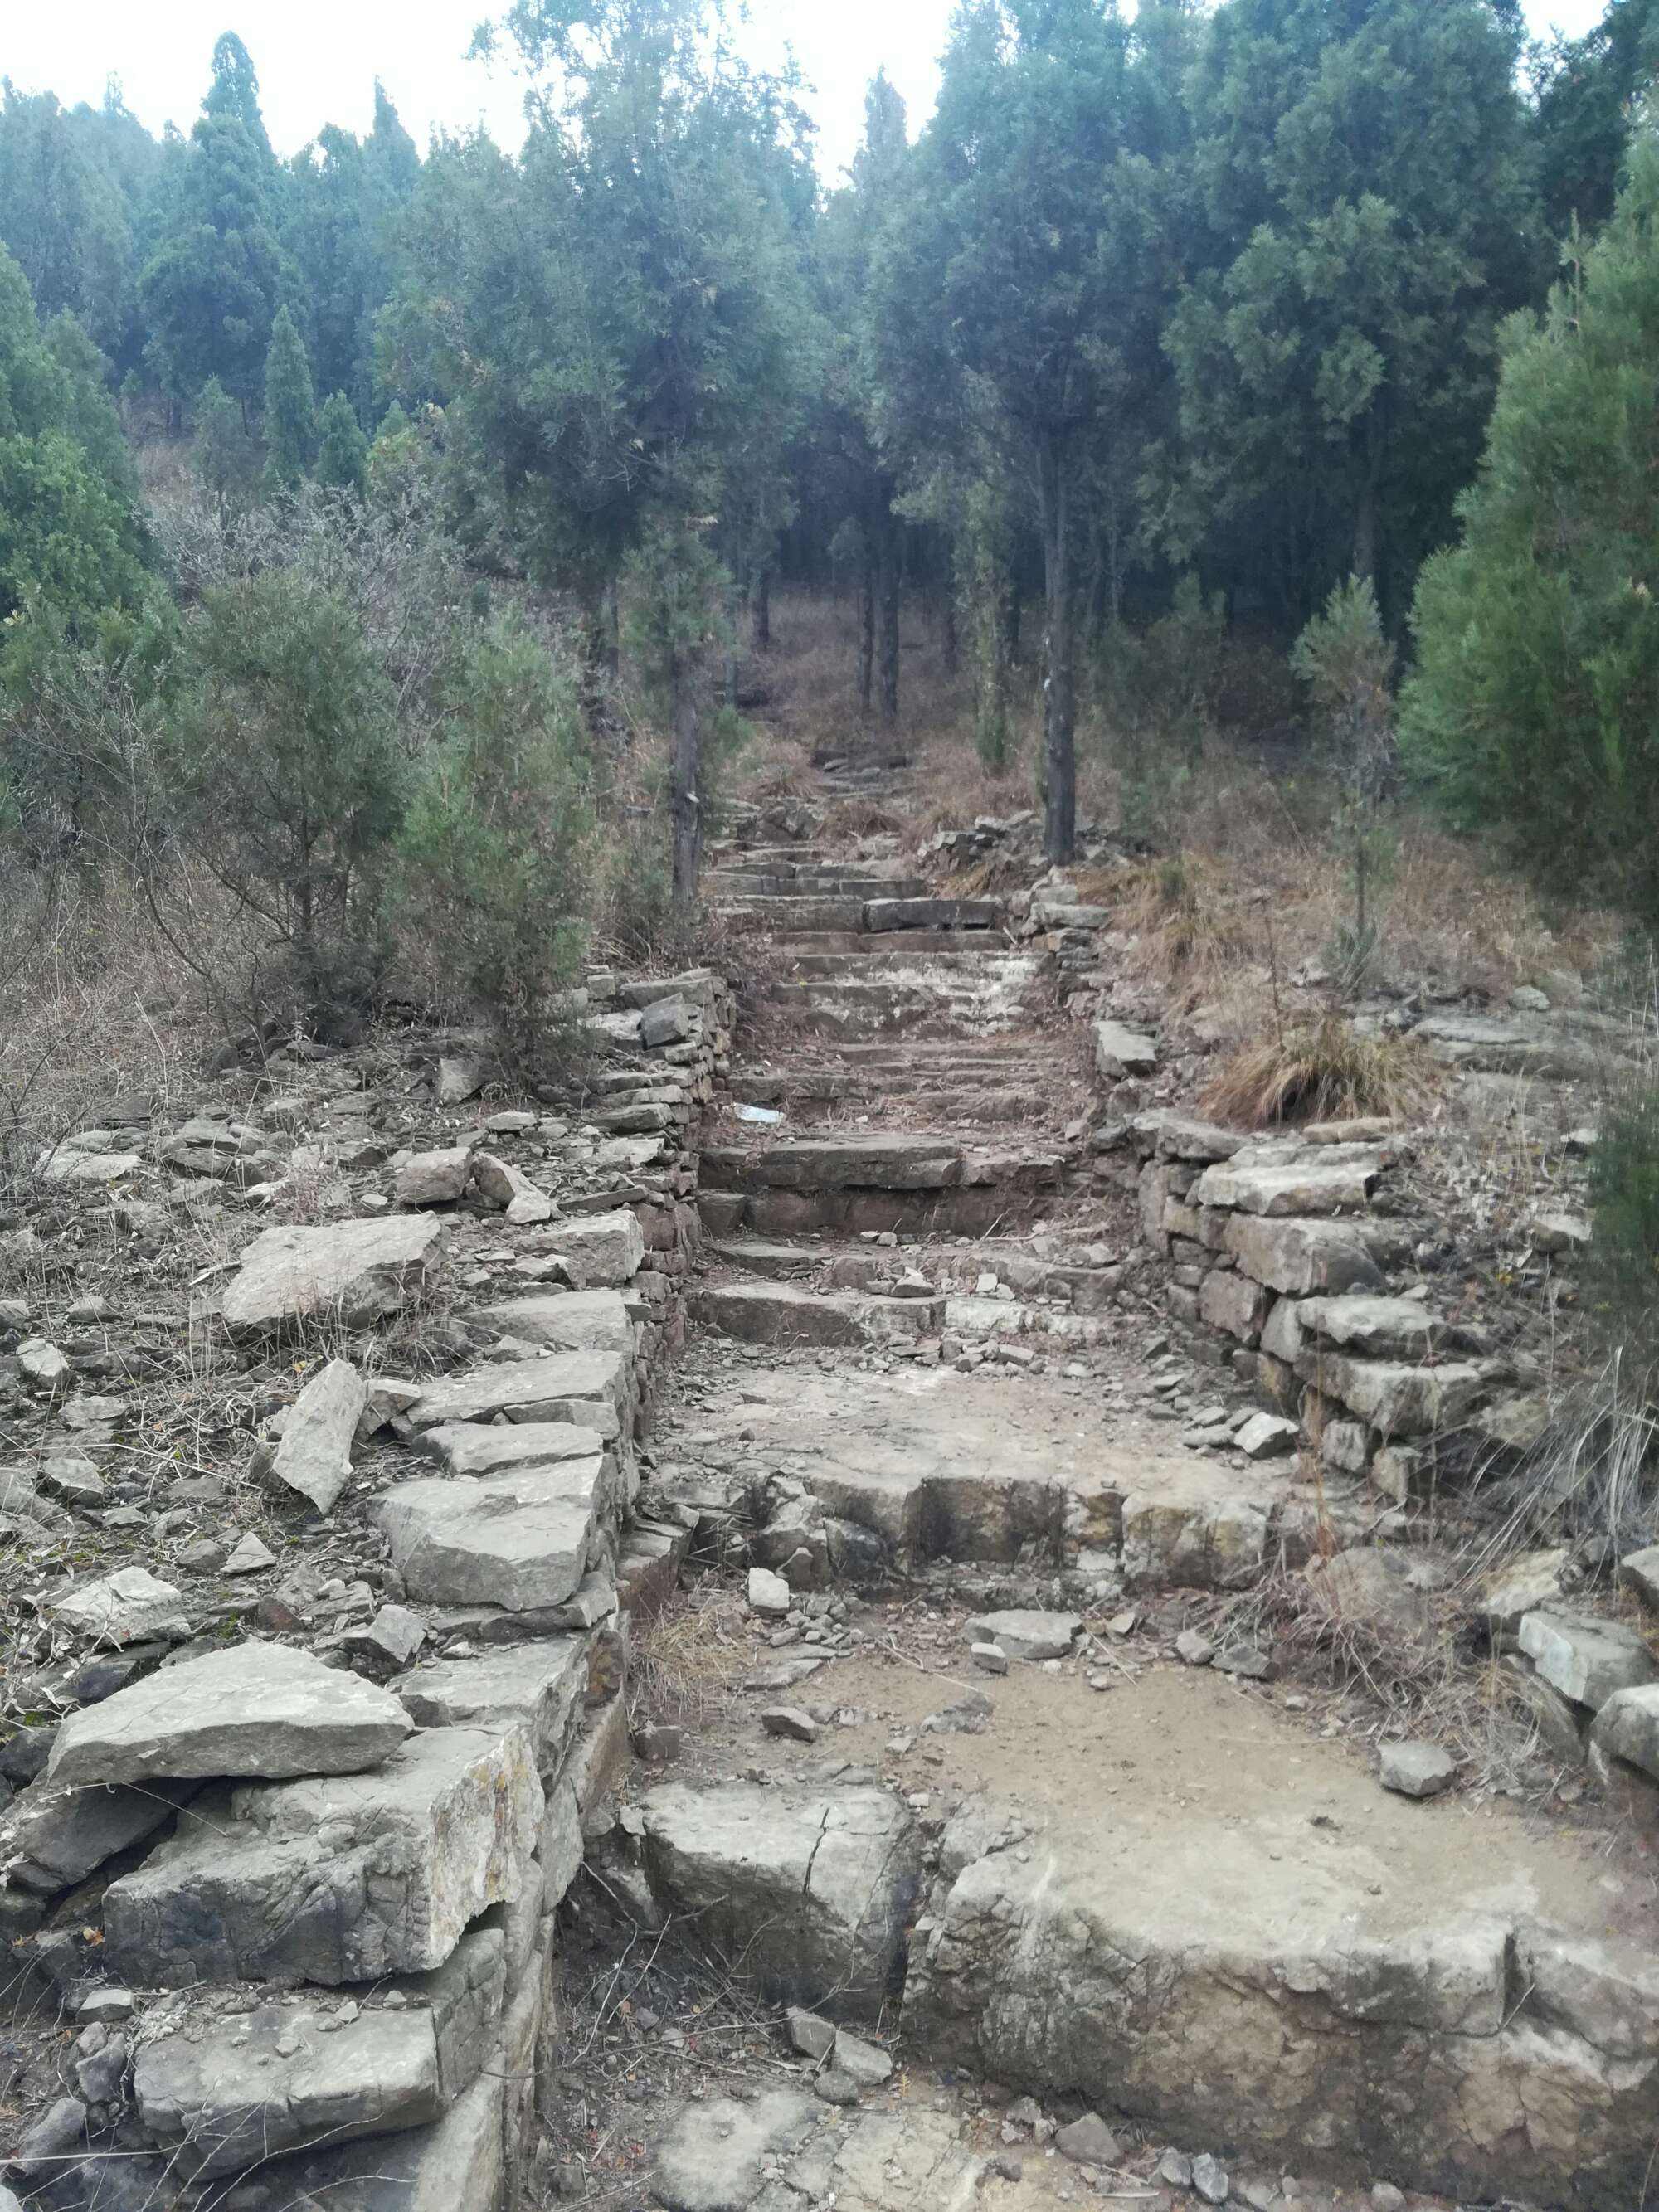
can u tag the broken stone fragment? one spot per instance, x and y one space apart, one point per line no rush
314 1456
523 1203
52 1838
587 1388
1267 1435
260 1708
536 1686
338 1878
129 1607
601 1250
789 1721
1639 1570
250 1556
769 1593
434 1178
813 2037
1416 1770
1088 2142
1026 1635
1121 1052
1627 1730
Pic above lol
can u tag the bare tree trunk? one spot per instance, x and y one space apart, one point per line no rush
867 637
684 807
889 624
762 610
1060 702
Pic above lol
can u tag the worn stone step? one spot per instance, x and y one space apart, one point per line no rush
787 1313
878 1161
755 1257
952 914
786 914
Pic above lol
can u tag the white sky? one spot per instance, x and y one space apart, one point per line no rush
317 59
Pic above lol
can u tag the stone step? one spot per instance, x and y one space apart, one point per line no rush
814 913
952 914
818 883
787 1313
752 1255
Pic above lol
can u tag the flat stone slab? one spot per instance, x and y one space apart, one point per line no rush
787 1313
538 1687
1397 1400
1376 1328
879 1161
359 1271
1026 1634
717 2154
313 1455
487 1448
1585 1658
335 1879
586 1388
882 915
571 1321
259 1709
599 1250
1301 1258
1278 1180
806 1893
520 1539
249 2087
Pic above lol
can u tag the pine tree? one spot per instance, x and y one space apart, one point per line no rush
290 423
1534 711
342 449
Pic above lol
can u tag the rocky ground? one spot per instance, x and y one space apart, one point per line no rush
1114 1713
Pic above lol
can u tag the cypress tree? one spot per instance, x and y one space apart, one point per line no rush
290 407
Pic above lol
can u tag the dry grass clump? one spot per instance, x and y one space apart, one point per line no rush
1322 1072
694 1651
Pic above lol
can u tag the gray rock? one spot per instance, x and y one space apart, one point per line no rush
1376 1328
359 1271
110 2003
73 1479
100 2070
250 1556
314 1454
1627 1730
814 2037
566 1320
1122 1052
260 1709
835 2086
1267 1435
989 1658
1302 1257
129 1607
1393 1397
1210 2179
866 2064
1088 2142
668 1022
769 1593
52 1838
1281 1180
586 1388
537 1687
434 1178
601 1250
394 1635
1194 1650
1639 1570
1587 1660
242 2090
1522 1586
716 2155
53 2139
1175 2168
1026 1635
810 1890
334 1879
523 1203
486 1448
791 1721
520 1540
1416 1770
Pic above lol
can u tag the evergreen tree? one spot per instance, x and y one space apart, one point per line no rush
63 219
291 422
342 449
1366 207
1534 707
70 543
1584 110
223 453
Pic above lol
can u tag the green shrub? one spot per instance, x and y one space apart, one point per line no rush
283 753
1622 1266
1347 665
491 891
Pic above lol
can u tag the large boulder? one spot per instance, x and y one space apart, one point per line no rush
260 1709
335 1879
520 1540
354 1270
808 1893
